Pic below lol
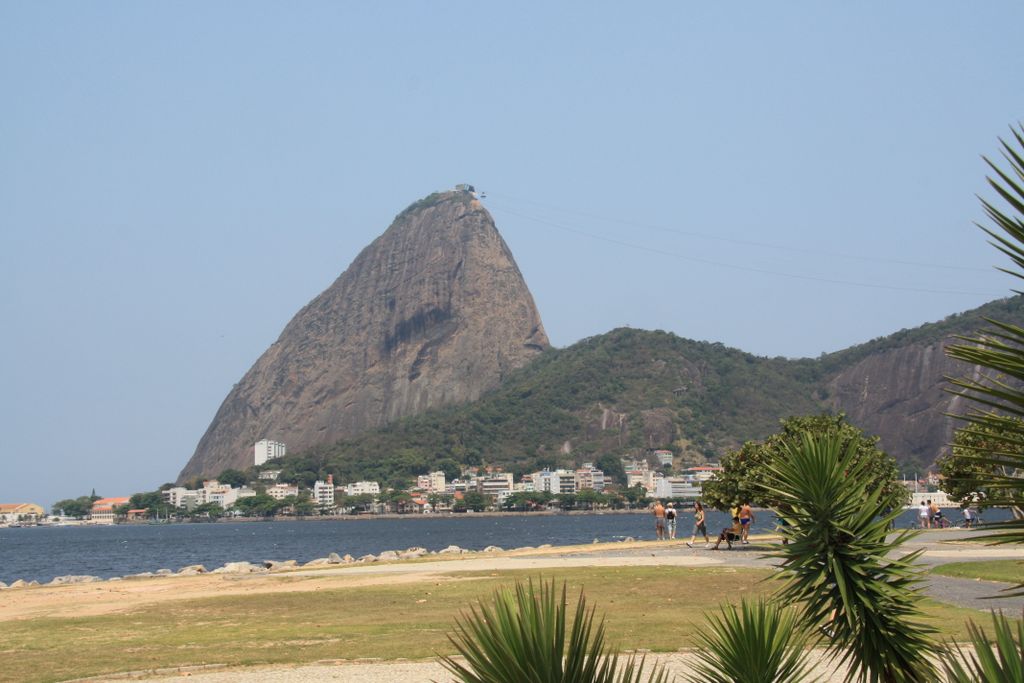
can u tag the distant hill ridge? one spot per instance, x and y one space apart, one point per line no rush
628 391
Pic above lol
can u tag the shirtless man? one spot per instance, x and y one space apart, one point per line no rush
746 519
659 520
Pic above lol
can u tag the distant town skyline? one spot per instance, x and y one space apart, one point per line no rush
178 181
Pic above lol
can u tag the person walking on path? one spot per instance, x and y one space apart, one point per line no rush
699 525
746 520
670 521
923 514
659 520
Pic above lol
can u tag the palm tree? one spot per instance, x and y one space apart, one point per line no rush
1000 351
840 565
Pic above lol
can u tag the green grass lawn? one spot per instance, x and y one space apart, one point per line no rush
1010 571
656 608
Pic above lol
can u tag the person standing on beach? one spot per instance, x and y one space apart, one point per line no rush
934 513
659 520
670 521
746 519
923 514
699 525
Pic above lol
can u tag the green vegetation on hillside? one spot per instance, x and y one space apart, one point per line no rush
623 393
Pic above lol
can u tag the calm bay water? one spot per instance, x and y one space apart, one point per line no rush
42 553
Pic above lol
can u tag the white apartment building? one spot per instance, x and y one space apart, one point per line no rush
431 483
270 475
323 492
664 457
559 481
282 491
359 488
644 477
589 477
675 487
498 485
703 472
265 450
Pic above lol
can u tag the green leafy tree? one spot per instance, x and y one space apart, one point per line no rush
207 510
260 505
74 507
475 501
450 467
232 477
968 480
746 471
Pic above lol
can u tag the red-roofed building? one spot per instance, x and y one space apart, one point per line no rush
103 509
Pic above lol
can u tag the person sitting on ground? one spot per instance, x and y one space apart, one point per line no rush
699 526
729 534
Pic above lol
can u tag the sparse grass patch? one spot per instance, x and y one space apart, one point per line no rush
1009 571
657 608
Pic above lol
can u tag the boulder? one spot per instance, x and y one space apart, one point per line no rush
387 556
20 583
320 562
334 559
544 546
192 570
348 559
239 568
164 572
451 550
367 558
493 549
69 579
273 565
115 578
629 539
2 585
140 575
412 553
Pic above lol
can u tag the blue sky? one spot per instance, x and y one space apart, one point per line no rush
178 179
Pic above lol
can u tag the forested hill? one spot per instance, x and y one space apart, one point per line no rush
629 391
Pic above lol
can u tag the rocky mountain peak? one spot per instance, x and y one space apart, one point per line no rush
433 312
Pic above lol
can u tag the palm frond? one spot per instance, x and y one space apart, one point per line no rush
521 636
759 642
998 662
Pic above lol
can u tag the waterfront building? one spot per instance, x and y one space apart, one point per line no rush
676 487
703 472
496 485
270 475
940 498
558 481
103 509
13 513
431 483
589 477
282 491
265 450
359 488
323 492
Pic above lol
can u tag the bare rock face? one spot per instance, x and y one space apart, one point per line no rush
902 396
433 312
